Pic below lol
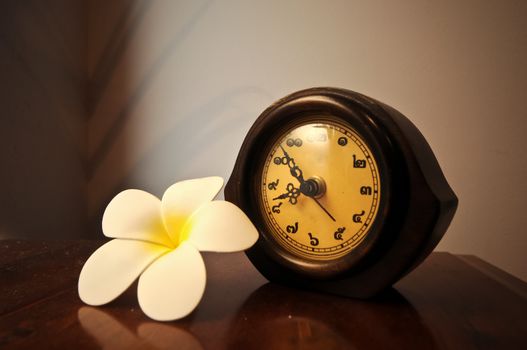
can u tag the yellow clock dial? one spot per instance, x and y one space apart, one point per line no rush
320 190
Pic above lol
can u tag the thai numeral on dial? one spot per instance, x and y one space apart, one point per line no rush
365 190
338 234
358 217
272 185
276 208
294 142
292 228
280 160
358 163
284 161
312 240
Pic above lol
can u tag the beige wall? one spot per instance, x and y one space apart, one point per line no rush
203 71
175 85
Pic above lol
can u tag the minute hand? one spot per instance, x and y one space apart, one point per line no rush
295 171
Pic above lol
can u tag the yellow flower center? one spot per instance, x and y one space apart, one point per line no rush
178 228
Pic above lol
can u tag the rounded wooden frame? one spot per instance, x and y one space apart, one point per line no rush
417 203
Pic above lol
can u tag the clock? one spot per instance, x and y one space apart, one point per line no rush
344 190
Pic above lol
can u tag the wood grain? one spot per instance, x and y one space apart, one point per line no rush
445 303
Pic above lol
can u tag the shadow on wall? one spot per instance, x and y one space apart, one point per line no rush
42 133
117 86
111 97
122 153
66 96
70 95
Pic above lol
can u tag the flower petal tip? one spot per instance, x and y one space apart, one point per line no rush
135 214
172 287
112 268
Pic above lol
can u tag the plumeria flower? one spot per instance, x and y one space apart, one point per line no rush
159 241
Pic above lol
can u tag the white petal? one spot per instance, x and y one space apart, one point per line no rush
112 268
135 214
173 285
220 226
183 198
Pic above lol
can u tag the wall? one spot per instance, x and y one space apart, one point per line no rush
204 70
42 119
174 86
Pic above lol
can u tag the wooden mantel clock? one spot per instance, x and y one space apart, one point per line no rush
344 190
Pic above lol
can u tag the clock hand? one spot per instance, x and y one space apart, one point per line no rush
293 168
327 212
291 194
309 187
282 196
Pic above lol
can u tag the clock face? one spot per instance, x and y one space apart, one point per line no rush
319 190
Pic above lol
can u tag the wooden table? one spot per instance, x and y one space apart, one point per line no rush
449 302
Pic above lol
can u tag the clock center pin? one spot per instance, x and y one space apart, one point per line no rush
313 187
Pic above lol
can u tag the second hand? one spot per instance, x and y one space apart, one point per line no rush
327 212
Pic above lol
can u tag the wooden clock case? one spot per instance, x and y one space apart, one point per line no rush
417 204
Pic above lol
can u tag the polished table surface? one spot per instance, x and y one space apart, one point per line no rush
449 302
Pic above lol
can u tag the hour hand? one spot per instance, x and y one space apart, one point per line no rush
282 196
291 194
